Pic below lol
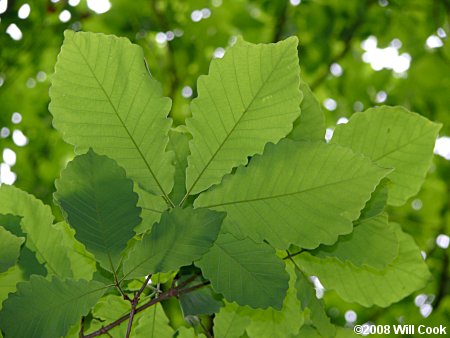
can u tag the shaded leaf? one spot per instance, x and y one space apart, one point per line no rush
246 272
103 97
372 243
394 138
199 302
152 207
368 286
250 97
295 193
310 126
317 314
179 144
8 281
30 312
98 201
181 236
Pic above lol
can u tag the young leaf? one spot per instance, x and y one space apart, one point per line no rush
103 97
310 126
48 308
296 193
181 236
230 322
41 235
250 97
307 296
368 286
154 324
9 249
246 272
372 243
99 203
394 138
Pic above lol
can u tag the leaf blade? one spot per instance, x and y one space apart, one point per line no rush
110 94
233 116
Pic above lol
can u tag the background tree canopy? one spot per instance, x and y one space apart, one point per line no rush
354 54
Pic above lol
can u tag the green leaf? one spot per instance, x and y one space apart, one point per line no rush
31 312
103 97
372 243
307 296
368 286
310 126
250 97
295 193
179 144
394 138
99 203
82 262
8 281
246 272
181 236
154 324
278 323
199 302
152 207
377 202
9 249
230 322
41 235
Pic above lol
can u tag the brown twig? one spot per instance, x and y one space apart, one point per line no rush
172 292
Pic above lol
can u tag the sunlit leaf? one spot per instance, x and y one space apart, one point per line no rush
103 97
250 97
296 193
394 138
368 286
9 249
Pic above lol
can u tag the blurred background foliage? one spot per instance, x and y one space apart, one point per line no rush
354 54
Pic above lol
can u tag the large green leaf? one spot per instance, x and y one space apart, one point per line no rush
41 235
368 286
394 138
48 308
246 272
372 243
103 97
310 126
99 203
9 249
296 193
250 97
181 236
317 314
230 322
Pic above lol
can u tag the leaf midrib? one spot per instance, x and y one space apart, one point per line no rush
123 124
283 195
235 125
